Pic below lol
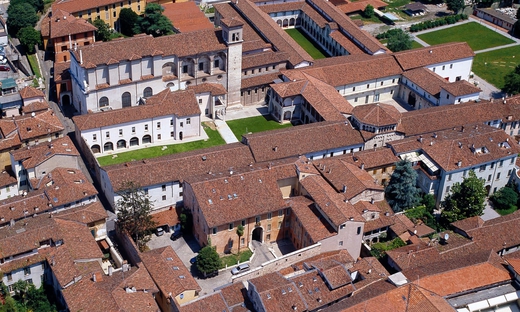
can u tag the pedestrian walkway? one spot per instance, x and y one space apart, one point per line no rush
225 132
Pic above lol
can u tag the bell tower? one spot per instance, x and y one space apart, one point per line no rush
232 31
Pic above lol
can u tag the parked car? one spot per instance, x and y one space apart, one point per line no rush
3 60
176 235
193 260
5 68
240 268
159 231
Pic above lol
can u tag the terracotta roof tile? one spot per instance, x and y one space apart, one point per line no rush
179 103
312 223
352 7
447 52
64 24
224 198
286 142
7 178
42 124
31 92
151 171
378 114
169 272
214 302
32 156
186 16
213 88
461 87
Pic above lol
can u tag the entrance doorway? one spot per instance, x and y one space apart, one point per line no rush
65 100
258 234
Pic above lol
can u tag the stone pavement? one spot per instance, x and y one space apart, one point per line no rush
225 132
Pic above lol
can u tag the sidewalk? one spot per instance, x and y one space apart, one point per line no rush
225 132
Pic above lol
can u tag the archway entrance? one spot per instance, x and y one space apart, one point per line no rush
258 234
65 100
411 99
488 189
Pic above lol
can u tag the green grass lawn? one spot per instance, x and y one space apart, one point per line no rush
392 4
156 151
494 65
34 64
305 43
254 124
416 45
233 259
477 36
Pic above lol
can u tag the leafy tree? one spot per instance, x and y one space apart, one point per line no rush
36 4
153 22
512 80
240 233
455 5
401 192
369 11
465 200
133 213
208 260
103 31
20 15
428 201
399 40
127 21
29 37
505 198
186 220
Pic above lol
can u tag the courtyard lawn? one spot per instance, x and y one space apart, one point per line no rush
477 36
254 124
492 66
232 259
416 45
156 151
305 43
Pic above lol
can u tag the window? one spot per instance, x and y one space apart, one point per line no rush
148 92
340 243
214 231
164 197
94 137
498 176
482 168
120 132
201 66
159 136
164 187
279 224
287 212
188 121
280 213
107 135
9 276
355 99
443 67
489 177
451 66
268 237
492 165
27 271
133 129
242 241
381 82
353 88
158 125
257 219
447 96
200 101
358 230
269 216
268 227
216 63
366 99
434 69
231 226
182 124
501 163
447 189
509 173
512 161
103 101
243 222
145 127
368 86
172 134
171 122
184 69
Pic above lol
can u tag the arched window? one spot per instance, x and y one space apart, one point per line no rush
170 85
134 141
147 139
103 101
96 149
148 92
126 99
108 147
121 144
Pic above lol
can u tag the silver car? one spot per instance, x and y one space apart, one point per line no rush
240 268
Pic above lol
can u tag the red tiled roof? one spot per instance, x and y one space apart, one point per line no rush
447 52
186 16
63 24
